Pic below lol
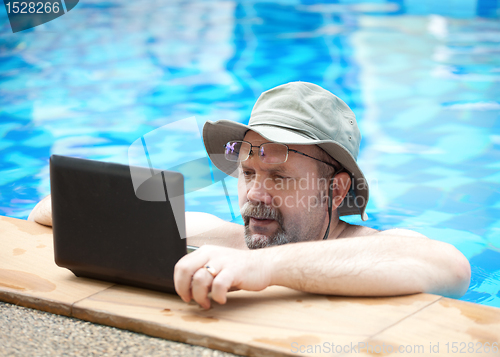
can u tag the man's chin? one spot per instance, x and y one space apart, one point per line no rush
256 241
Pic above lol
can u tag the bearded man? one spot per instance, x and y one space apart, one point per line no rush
297 174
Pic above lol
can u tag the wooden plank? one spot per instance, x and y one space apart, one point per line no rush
446 328
270 322
28 274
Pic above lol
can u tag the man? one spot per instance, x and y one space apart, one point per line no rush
297 173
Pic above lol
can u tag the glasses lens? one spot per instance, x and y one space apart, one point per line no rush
237 151
273 153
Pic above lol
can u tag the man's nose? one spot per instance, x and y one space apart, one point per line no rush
257 191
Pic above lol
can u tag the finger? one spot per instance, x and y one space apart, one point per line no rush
221 285
200 287
184 271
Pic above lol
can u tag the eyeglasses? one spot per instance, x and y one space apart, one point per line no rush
269 153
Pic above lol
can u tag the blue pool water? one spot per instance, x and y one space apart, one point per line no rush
422 76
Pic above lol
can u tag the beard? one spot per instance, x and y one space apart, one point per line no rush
261 211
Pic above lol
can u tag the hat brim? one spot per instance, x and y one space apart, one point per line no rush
217 134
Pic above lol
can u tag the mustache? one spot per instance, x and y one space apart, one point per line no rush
261 211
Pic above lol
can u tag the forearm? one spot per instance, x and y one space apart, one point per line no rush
219 237
204 228
370 266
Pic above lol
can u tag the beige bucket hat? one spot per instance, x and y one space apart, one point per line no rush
299 113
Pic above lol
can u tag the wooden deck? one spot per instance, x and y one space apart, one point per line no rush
274 322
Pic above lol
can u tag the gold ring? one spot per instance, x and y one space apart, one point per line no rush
210 270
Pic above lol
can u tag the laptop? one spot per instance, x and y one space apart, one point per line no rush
108 227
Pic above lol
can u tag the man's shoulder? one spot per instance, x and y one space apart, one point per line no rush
355 230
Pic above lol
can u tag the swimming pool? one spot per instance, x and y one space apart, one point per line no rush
422 78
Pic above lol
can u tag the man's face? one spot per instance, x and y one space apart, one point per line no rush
281 203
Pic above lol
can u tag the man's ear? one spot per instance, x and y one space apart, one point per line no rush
341 186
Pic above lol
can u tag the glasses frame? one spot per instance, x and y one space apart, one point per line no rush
286 158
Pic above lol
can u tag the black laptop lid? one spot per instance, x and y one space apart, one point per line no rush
103 231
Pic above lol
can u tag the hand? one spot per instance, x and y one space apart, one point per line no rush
234 269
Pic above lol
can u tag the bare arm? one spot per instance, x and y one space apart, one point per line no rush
383 264
204 228
388 263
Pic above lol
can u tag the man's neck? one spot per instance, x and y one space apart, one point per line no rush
336 228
